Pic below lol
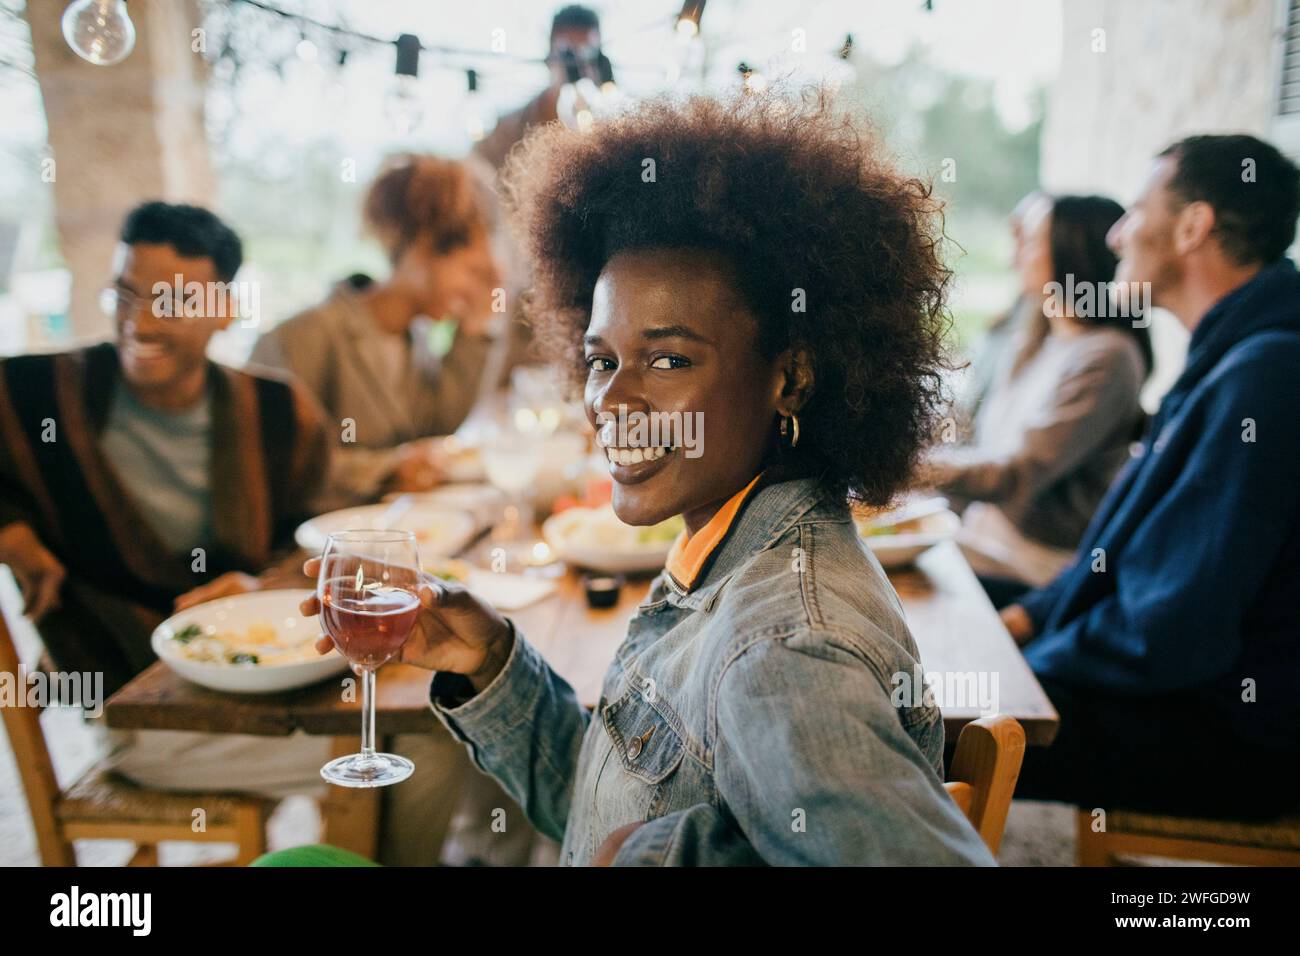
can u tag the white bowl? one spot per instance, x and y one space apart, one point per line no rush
277 608
900 550
559 531
440 532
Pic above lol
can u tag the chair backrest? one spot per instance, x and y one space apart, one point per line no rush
23 724
983 774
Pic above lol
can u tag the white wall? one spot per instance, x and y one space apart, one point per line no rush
1137 75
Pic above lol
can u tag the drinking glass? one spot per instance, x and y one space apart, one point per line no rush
512 457
369 600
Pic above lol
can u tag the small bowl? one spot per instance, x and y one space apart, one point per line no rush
602 590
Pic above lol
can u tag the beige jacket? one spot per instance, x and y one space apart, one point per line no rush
376 393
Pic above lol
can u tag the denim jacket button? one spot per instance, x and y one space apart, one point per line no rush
637 744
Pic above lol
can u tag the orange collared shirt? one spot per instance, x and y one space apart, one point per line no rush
689 554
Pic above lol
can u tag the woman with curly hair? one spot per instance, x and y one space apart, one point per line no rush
769 274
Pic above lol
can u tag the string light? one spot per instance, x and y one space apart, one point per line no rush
476 119
688 21
403 105
589 91
100 31
752 80
842 71
579 98
605 75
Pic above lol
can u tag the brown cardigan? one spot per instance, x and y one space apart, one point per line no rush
269 454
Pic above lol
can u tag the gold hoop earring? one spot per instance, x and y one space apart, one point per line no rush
785 429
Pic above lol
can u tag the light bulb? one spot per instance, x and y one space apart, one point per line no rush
477 116
403 106
578 104
100 31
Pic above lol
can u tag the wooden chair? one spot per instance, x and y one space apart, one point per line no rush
101 806
1270 843
982 778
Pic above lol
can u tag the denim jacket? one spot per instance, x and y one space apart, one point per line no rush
745 721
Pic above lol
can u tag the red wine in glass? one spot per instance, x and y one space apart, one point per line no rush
368 627
369 601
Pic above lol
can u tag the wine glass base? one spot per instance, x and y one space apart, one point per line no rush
360 770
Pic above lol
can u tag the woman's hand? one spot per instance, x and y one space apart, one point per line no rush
454 632
417 467
38 572
228 584
606 852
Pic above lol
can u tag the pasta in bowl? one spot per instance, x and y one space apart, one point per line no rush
255 643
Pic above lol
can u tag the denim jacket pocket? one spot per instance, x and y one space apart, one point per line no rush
643 739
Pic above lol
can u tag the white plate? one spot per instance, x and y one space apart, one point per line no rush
482 501
440 532
276 608
560 530
900 550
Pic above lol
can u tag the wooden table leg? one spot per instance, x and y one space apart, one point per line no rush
352 815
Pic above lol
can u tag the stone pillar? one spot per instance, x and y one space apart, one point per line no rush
119 135
1136 76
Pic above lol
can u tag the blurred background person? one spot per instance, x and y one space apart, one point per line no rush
575 31
1061 410
371 352
574 43
1177 660
1000 334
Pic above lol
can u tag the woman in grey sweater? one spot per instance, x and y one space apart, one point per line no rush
369 353
1055 426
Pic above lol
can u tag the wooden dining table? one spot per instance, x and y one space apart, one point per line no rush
962 644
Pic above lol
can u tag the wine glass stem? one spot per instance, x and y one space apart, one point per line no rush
368 712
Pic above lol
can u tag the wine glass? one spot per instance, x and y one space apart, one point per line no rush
512 457
369 600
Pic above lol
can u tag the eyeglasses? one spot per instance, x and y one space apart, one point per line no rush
121 303
116 301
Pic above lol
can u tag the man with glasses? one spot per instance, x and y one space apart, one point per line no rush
138 478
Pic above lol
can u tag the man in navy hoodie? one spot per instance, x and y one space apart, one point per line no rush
1171 647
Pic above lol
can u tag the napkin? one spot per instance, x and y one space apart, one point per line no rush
508 592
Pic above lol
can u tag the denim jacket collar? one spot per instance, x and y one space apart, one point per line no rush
769 513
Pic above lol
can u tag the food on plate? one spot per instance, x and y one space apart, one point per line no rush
665 532
878 527
449 569
258 644
596 493
600 528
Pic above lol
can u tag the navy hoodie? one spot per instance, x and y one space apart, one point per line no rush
1187 581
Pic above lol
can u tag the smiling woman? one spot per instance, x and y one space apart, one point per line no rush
743 239
762 271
